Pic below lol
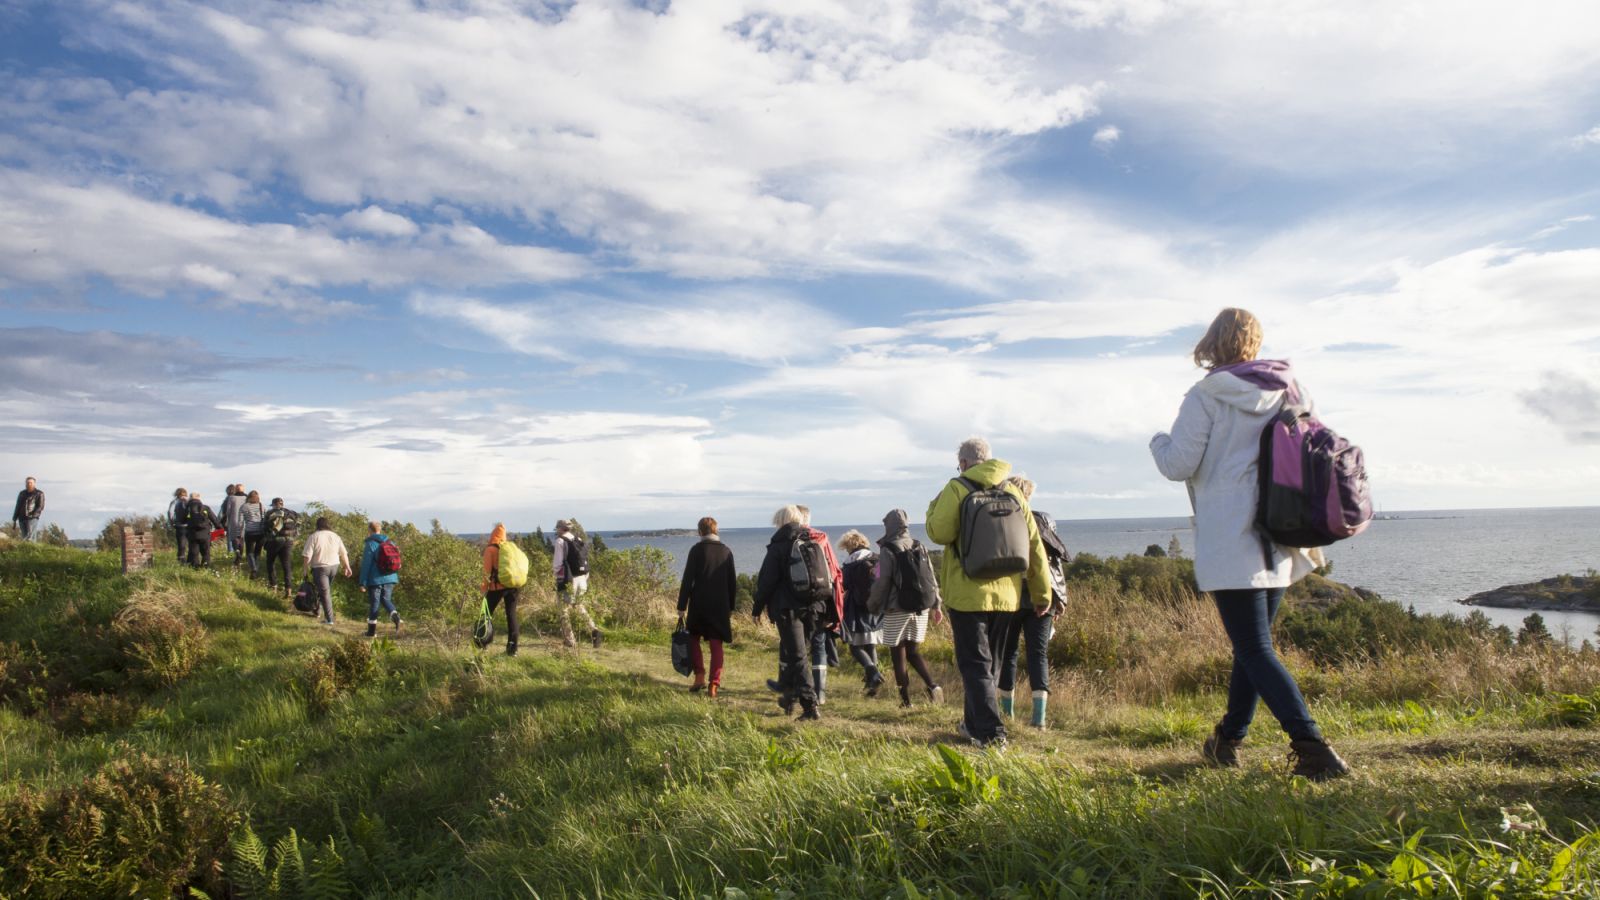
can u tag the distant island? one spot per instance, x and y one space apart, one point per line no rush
658 533
1564 593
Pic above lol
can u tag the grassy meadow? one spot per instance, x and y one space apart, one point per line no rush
174 733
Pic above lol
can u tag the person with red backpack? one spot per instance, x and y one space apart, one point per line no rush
380 572
1214 446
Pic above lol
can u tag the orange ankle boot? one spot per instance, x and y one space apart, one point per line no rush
712 691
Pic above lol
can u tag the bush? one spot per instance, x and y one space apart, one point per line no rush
161 640
336 670
140 826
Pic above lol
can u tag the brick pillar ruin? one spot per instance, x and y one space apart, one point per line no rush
138 549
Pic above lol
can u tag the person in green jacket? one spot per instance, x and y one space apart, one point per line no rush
980 608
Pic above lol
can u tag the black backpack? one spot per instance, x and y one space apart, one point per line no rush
993 541
809 575
280 524
577 558
199 517
915 588
1056 558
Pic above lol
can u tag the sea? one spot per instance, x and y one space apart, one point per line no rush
1429 560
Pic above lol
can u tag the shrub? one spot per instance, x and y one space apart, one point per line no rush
160 638
336 670
140 826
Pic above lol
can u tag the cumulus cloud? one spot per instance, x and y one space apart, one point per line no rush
1106 137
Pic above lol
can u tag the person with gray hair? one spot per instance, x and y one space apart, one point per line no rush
1028 625
793 589
570 560
30 506
992 549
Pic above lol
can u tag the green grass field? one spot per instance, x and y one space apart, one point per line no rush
422 768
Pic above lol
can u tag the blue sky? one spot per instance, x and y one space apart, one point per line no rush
642 262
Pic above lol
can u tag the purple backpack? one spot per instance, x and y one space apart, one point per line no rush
1313 482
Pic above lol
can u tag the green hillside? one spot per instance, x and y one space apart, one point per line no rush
173 731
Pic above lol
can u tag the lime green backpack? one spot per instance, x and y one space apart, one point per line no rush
512 570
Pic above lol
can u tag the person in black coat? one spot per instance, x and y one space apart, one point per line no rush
201 522
705 602
795 618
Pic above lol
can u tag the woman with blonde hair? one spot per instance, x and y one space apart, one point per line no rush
1213 446
793 612
705 602
862 629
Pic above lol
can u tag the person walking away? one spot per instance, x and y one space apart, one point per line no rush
497 593
906 593
1027 625
571 564
705 602
200 521
279 527
30 506
862 629
232 515
825 633
325 553
794 587
254 516
992 547
376 581
1214 447
178 520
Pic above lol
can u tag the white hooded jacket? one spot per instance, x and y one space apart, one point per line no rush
1213 446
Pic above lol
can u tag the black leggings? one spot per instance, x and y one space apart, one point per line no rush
906 651
252 549
867 656
508 596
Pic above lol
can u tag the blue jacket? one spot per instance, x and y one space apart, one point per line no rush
370 575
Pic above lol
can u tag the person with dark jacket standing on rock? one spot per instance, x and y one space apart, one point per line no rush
177 519
1214 447
795 616
30 506
200 521
279 527
705 602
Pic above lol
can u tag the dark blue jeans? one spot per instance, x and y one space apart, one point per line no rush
979 638
1258 673
1027 623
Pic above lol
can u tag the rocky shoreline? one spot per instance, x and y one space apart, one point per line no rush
1564 593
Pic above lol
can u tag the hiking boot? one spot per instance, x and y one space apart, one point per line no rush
372 629
594 638
786 703
809 715
511 649
1315 760
936 694
774 686
396 617
1221 751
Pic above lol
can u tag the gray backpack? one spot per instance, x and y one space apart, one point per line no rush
993 541
809 575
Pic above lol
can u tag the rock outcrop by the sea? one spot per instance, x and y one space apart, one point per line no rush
1570 593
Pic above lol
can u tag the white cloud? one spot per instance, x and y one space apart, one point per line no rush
1106 137
379 221
1592 136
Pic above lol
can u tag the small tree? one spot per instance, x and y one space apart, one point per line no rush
1175 549
55 536
1533 631
1154 550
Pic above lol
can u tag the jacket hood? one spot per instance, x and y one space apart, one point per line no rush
788 533
498 535
988 473
895 524
1259 385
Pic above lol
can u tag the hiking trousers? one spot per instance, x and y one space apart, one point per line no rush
322 577
571 594
180 537
199 548
1027 625
794 643
1258 673
508 596
278 553
979 638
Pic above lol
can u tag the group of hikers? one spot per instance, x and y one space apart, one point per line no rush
1001 578
1000 582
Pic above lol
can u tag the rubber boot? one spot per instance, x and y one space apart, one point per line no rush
1040 701
372 628
1007 704
819 679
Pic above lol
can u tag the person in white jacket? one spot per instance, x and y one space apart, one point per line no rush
1213 446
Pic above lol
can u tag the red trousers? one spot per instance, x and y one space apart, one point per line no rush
700 662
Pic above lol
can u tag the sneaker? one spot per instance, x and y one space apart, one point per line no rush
1315 760
511 649
594 638
396 617
1221 751
810 715
936 694
967 735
